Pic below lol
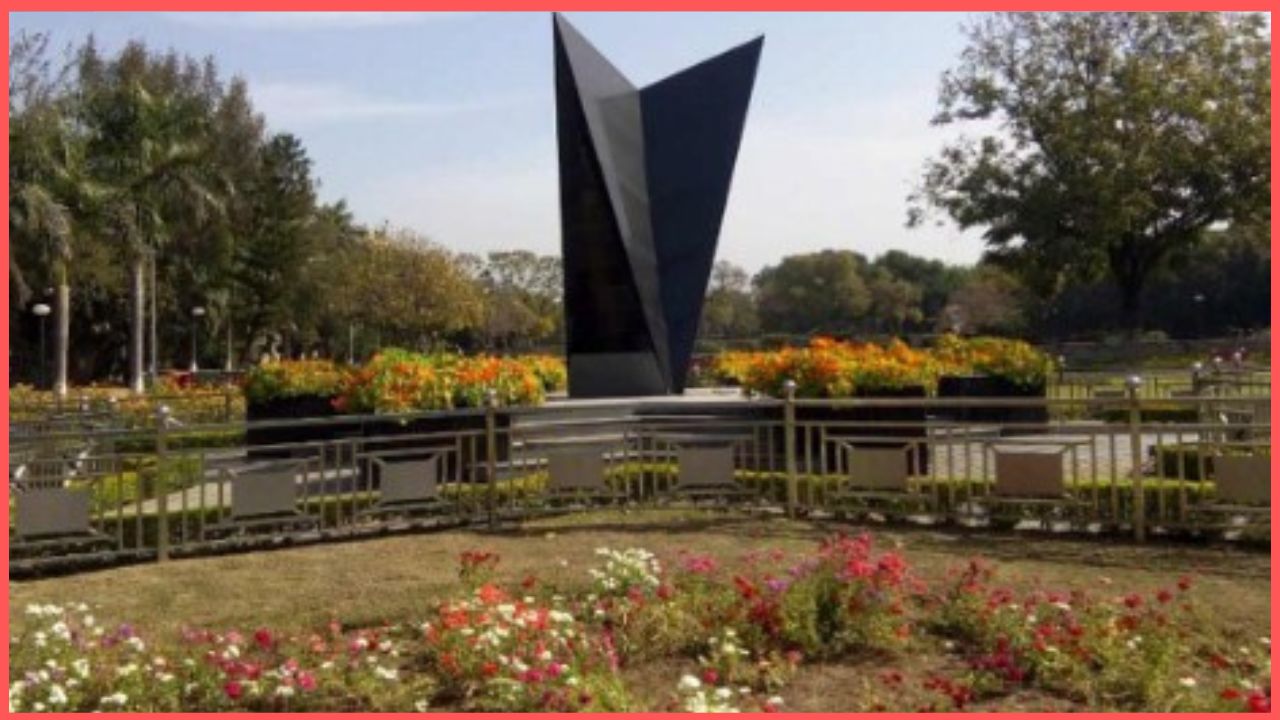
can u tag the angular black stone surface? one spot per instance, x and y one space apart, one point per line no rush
644 178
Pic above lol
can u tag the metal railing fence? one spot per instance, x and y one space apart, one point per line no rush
86 492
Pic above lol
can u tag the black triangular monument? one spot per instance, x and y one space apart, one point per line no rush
644 178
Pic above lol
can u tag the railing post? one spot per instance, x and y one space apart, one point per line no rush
1135 453
789 429
162 492
491 453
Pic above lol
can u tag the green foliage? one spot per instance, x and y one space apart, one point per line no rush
1122 137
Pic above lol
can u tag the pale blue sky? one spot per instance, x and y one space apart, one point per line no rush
444 123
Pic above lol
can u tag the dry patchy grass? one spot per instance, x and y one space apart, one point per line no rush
397 578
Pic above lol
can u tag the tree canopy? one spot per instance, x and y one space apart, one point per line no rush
1108 141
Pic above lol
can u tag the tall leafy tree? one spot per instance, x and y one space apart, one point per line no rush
1111 140
822 292
147 149
46 182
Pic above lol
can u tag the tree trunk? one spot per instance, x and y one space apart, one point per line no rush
1131 304
61 332
154 368
137 300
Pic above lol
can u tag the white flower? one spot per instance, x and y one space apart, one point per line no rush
284 691
60 630
81 667
57 696
88 621
115 700
1188 682
135 643
126 670
689 683
421 706
724 693
775 701
388 674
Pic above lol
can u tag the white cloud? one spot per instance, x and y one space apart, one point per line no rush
288 104
304 20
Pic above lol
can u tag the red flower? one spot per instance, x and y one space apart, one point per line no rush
490 594
1133 601
489 669
1258 702
1164 596
1184 583
710 676
529 582
263 638
233 690
665 592
1230 694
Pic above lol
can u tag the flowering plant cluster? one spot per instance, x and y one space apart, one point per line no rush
403 381
738 632
1013 360
829 368
274 379
397 380
1103 650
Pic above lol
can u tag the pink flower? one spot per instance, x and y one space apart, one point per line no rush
233 689
306 681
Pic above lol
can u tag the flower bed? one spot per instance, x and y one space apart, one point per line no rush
833 369
399 381
729 635
391 383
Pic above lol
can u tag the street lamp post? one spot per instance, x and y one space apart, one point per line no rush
41 311
197 312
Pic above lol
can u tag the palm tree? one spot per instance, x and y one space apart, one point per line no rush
148 151
44 182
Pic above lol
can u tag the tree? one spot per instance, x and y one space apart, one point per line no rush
729 310
147 151
1121 137
894 301
271 264
935 279
524 291
820 292
45 182
989 302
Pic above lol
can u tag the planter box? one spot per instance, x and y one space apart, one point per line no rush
260 439
978 386
378 435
